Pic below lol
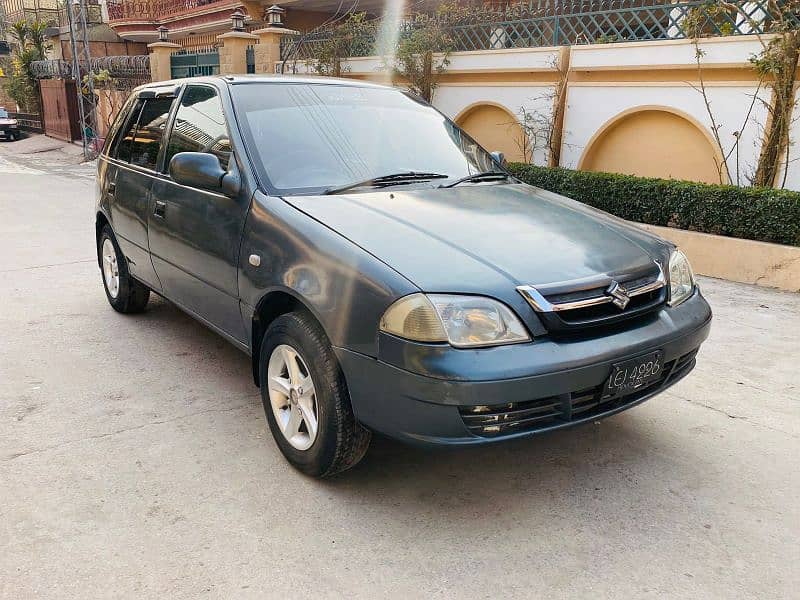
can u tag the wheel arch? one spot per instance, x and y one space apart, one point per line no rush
99 223
272 305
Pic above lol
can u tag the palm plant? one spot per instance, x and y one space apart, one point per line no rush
19 31
37 37
30 45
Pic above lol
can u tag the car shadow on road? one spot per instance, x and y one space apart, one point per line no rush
584 460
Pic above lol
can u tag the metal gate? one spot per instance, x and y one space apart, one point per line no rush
60 109
251 60
194 63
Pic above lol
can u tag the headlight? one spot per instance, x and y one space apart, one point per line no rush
463 321
681 278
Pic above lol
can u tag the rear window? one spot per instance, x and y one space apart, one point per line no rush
140 137
149 132
122 149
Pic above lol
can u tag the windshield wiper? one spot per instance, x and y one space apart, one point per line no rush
476 177
402 178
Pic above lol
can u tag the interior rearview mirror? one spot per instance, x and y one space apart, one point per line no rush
204 171
500 158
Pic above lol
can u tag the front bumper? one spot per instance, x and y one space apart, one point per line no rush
422 393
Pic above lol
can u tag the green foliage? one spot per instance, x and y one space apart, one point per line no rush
424 36
20 83
37 37
352 37
30 45
763 214
715 17
608 38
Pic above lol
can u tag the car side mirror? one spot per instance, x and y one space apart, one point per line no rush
203 171
500 158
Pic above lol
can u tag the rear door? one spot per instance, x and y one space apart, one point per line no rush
195 235
132 167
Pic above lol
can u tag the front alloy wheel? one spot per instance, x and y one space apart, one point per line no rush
305 397
292 396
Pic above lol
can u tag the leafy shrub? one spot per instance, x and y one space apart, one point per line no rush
762 214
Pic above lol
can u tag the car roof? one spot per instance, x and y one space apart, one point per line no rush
255 79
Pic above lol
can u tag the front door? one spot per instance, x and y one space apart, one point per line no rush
195 235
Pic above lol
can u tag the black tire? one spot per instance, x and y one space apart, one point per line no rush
133 295
341 442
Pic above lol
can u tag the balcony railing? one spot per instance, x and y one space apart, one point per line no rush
48 15
156 10
562 23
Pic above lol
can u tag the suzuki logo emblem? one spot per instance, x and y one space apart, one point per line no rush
618 295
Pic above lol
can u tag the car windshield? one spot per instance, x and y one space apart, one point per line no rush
3 113
308 137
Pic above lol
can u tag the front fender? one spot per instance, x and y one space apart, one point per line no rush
346 288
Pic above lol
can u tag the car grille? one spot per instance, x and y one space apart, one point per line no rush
579 311
544 413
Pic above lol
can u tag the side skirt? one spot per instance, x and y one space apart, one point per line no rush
239 345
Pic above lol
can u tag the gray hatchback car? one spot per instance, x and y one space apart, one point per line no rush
384 272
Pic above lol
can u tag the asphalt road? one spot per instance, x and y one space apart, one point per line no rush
135 461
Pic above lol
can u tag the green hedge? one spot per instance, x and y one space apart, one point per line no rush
760 214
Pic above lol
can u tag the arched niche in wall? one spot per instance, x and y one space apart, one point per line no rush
494 128
653 141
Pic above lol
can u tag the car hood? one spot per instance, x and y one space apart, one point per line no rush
471 237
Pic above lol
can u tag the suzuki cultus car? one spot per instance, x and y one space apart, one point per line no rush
384 272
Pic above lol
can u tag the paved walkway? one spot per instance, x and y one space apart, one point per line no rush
36 154
135 462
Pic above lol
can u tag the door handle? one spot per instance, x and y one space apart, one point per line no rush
112 187
161 209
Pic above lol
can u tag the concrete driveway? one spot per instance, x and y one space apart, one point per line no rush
135 461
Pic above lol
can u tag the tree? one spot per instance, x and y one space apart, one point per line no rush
424 47
778 63
30 45
776 66
109 95
352 37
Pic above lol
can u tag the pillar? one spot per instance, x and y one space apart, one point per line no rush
268 50
160 65
233 52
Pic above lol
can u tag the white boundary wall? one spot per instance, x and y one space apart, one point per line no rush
608 80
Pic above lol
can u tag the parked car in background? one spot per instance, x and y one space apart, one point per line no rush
9 127
383 271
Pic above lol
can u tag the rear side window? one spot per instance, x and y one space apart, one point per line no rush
200 126
128 134
149 132
112 141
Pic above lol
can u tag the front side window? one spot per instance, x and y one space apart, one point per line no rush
200 126
309 137
149 131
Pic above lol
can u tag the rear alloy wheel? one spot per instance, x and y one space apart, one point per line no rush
124 293
110 268
306 400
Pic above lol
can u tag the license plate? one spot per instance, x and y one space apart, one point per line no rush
632 375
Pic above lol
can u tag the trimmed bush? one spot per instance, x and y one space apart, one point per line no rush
762 214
